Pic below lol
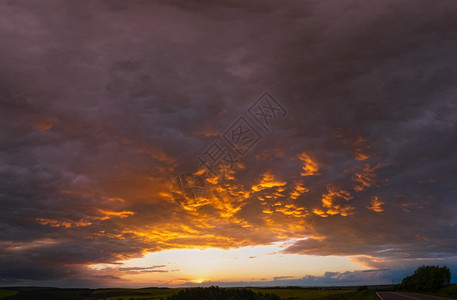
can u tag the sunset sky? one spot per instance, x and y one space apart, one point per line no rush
335 122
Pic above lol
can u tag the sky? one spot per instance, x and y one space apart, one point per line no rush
201 142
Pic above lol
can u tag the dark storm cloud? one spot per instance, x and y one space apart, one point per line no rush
102 102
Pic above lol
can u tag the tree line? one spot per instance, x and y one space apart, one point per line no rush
427 279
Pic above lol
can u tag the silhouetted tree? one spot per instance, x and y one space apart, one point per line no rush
427 278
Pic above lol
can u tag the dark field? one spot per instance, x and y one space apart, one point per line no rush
23 293
289 293
84 294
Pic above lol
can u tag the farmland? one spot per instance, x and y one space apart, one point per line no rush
295 293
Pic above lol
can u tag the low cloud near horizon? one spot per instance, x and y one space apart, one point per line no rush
103 103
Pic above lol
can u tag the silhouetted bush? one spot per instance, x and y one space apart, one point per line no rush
427 278
449 291
217 293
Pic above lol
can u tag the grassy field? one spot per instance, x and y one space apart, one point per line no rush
163 293
291 293
6 293
136 294
318 294
447 292
284 293
301 293
450 291
85 294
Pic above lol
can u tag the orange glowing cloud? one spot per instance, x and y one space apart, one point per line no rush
292 210
268 181
120 214
310 166
66 223
376 204
362 149
299 190
334 203
86 221
366 178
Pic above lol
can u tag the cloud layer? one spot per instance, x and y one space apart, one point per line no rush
103 103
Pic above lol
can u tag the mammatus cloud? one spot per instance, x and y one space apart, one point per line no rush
103 103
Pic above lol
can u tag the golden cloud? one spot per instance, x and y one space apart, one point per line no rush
310 166
376 205
366 178
334 202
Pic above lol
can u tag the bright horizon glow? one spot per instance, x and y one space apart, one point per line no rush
245 264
